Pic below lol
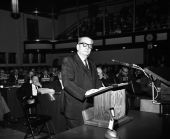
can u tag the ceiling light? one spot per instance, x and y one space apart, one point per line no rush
15 9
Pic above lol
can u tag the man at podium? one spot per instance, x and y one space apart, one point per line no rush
79 77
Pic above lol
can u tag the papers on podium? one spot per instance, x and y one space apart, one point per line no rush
104 89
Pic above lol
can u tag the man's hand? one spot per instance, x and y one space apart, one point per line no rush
101 88
38 84
91 91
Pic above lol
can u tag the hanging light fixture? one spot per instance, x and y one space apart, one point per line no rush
15 9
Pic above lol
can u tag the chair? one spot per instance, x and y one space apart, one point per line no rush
35 123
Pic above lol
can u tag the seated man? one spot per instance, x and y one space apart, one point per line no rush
5 114
28 89
102 76
55 83
15 76
142 84
125 76
31 89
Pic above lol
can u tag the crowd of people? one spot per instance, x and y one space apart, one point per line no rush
19 75
27 81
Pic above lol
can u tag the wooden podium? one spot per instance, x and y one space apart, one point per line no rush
110 97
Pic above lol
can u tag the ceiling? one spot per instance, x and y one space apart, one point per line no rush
45 6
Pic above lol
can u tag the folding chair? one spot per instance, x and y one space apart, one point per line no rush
35 123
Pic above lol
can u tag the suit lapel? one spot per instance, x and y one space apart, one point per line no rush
91 68
80 62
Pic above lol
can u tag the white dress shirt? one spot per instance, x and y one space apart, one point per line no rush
34 90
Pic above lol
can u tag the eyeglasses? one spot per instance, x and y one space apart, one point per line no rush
90 46
125 72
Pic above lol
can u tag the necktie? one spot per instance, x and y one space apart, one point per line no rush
86 64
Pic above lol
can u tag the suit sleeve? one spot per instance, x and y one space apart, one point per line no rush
68 79
24 91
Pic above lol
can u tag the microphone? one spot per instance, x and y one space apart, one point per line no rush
124 64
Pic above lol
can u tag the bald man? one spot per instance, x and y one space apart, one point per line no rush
79 77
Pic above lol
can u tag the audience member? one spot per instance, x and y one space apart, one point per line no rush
102 76
5 114
55 83
124 76
14 76
29 90
3 77
142 84
45 77
28 77
54 72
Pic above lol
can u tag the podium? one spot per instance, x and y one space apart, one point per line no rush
113 96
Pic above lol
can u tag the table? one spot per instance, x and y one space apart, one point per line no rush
145 125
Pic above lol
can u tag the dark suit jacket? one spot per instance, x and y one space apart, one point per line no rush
25 91
56 85
77 79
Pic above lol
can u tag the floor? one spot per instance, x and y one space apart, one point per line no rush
7 133
16 131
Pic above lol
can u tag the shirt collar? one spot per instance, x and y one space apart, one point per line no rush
82 58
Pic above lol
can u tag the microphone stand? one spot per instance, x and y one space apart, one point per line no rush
147 75
152 82
111 133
